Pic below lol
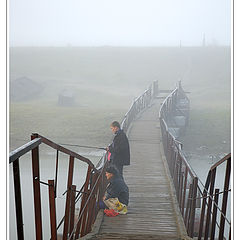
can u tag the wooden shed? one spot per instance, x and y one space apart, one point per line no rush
66 98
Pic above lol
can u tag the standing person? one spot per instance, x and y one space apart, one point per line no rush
119 149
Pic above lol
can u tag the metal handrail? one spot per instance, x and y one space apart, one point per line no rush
64 150
186 180
14 155
137 106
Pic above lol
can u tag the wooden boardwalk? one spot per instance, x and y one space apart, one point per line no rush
153 212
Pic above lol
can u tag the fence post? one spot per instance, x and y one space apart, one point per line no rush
204 202
53 221
84 198
72 207
225 198
92 201
18 199
193 206
68 198
216 196
184 190
36 191
208 220
186 217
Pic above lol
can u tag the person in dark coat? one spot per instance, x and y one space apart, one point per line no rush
117 187
119 149
115 200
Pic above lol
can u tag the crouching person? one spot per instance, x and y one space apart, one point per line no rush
117 194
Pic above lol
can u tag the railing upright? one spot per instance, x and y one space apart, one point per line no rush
225 197
18 199
184 177
36 191
68 198
52 207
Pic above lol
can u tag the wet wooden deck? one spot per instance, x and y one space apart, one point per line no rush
153 212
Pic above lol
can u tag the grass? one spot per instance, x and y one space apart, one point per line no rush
212 129
63 124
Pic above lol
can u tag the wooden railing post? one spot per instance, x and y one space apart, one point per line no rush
52 207
187 212
72 212
225 198
214 217
84 198
184 190
208 219
193 207
18 199
92 202
204 202
36 191
68 198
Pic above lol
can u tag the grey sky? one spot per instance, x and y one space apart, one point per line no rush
119 22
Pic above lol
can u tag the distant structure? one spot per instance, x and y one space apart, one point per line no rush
24 88
66 98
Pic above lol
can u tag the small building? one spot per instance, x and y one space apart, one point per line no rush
24 88
66 98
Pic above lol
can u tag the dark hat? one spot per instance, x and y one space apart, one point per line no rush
112 170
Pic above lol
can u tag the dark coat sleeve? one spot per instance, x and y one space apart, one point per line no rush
120 149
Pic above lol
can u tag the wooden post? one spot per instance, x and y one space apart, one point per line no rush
36 191
186 216
52 206
208 220
203 206
225 198
214 217
193 207
84 198
68 198
184 190
72 212
18 199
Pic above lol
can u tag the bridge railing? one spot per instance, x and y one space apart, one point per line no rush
191 193
139 104
88 196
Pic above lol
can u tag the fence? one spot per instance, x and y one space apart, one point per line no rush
190 191
139 105
88 196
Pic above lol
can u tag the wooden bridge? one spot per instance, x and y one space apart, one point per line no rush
153 211
164 190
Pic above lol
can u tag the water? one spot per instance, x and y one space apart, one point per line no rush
201 165
47 172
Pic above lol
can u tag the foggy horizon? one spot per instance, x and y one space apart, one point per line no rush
119 23
119 46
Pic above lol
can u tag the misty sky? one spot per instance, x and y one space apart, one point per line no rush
119 22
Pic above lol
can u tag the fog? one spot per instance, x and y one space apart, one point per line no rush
103 82
119 23
75 66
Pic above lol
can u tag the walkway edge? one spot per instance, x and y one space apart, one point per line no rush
179 219
96 227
